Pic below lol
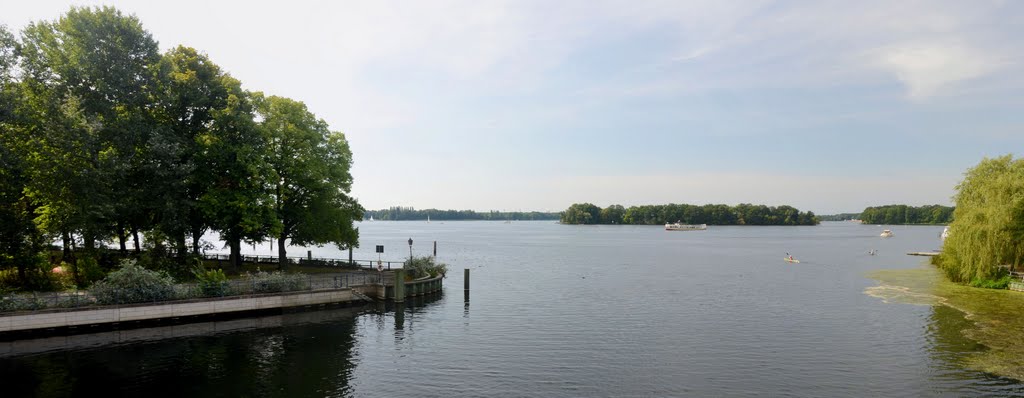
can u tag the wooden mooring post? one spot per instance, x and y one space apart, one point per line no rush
399 285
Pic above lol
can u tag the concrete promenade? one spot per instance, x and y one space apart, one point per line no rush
106 315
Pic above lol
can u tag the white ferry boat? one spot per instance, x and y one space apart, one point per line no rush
685 227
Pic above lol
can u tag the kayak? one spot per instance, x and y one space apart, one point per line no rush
791 260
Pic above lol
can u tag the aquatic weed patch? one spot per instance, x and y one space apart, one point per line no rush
996 315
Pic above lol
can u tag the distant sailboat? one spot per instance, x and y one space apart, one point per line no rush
371 218
428 218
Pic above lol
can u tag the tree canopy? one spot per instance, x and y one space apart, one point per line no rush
988 225
399 213
103 138
310 176
715 214
903 214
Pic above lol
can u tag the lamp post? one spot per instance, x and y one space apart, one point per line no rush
410 251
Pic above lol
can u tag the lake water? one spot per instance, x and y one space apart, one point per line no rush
565 311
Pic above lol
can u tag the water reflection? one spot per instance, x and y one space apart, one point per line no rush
298 354
950 351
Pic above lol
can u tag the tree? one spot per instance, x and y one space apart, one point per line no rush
988 224
581 213
239 201
87 79
20 240
191 91
612 214
311 179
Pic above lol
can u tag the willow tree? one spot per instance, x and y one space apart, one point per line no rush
988 224
311 180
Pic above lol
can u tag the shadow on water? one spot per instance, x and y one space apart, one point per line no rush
951 351
306 353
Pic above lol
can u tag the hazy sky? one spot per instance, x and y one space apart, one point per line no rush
533 105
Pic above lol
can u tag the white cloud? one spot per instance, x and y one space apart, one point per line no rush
927 69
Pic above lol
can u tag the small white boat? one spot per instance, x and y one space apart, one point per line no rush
676 226
945 234
886 234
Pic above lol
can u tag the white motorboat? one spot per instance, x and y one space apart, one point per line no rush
886 234
676 226
945 234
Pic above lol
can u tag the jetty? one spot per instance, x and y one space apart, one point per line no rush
929 254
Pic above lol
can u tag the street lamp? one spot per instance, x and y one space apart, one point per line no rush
410 251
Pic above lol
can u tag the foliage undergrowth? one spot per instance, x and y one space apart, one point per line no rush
419 267
273 282
133 284
212 283
998 283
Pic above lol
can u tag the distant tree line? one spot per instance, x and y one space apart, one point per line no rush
104 138
903 214
839 217
742 214
411 214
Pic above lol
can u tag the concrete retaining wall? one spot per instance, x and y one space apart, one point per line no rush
146 312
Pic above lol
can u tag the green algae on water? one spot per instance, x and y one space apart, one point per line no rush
997 316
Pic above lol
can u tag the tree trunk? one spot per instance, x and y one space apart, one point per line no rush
65 238
22 277
89 241
197 236
281 253
180 247
236 254
135 236
121 239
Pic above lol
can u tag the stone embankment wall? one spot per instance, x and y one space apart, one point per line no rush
154 311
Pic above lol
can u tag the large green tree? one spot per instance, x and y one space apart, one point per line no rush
988 224
87 80
238 201
20 240
192 91
311 179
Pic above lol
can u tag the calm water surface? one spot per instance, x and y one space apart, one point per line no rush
564 311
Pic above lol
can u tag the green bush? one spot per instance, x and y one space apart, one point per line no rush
62 277
212 283
998 283
273 282
21 303
38 277
89 270
133 284
420 267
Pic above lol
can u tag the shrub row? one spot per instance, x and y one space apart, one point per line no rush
132 283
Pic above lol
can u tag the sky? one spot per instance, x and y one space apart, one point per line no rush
828 106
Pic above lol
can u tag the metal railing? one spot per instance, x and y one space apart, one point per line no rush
308 261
